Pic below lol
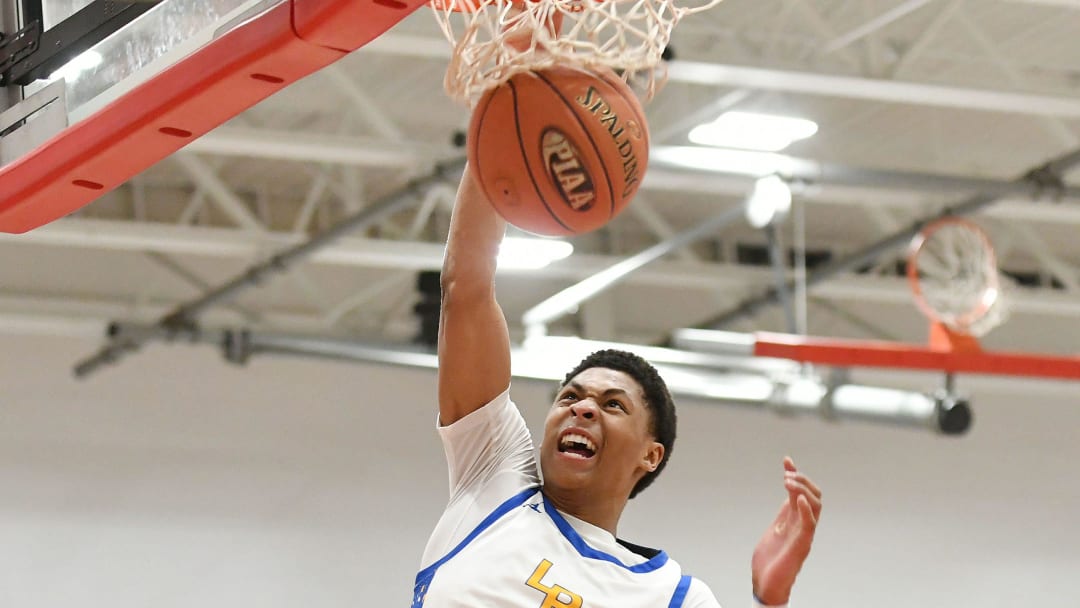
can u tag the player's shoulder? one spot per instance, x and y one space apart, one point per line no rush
699 595
640 550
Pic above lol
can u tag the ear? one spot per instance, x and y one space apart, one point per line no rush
654 455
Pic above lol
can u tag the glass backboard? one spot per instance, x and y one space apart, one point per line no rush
166 72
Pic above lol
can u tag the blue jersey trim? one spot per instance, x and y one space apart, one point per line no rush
424 577
586 551
680 591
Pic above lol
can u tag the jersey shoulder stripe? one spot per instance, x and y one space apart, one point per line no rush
525 530
679 596
585 550
424 577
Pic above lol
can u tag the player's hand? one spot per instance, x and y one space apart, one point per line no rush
782 550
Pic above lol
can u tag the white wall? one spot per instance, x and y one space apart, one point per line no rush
174 479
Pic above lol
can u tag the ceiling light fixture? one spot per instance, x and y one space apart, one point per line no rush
524 253
752 131
733 162
769 203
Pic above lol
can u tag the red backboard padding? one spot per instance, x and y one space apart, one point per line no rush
869 353
185 101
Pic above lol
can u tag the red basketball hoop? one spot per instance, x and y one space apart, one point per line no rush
953 273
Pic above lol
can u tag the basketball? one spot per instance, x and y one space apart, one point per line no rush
559 151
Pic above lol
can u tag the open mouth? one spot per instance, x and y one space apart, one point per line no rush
577 445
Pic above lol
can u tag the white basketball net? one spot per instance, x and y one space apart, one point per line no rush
495 39
959 283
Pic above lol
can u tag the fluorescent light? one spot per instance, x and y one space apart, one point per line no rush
769 202
521 253
81 63
750 131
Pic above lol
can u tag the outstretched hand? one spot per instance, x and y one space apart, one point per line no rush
782 550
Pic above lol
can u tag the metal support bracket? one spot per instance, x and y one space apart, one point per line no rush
36 53
32 121
1048 182
17 47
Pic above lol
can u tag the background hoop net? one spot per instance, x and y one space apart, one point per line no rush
493 40
953 273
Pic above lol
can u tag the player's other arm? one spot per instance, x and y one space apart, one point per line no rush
474 345
783 549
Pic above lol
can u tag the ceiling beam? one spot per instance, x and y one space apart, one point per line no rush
170 239
1057 127
317 148
362 103
208 181
807 83
918 45
537 317
185 316
873 89
402 255
732 174
83 317
865 29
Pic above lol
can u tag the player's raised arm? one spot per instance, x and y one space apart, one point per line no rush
474 346
783 549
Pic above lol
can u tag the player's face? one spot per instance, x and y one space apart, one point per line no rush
597 437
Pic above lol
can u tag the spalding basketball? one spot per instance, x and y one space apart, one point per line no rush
559 151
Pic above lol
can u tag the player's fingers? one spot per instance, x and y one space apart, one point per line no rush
789 464
803 479
806 513
797 489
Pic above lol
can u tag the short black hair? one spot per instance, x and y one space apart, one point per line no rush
657 398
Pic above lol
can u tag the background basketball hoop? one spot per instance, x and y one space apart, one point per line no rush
953 273
495 39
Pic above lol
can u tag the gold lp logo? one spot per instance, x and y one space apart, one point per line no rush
557 596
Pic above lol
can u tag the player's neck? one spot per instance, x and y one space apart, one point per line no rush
602 513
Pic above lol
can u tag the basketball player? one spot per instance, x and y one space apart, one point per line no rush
508 539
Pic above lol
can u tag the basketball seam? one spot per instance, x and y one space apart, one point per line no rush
592 142
525 158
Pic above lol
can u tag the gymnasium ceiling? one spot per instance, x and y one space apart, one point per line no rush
971 89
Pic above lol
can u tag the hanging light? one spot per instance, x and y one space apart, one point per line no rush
752 131
524 253
769 203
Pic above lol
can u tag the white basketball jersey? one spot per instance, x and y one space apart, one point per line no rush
525 554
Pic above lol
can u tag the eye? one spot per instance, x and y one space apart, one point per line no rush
568 397
616 403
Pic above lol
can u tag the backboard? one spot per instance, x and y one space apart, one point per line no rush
95 91
956 283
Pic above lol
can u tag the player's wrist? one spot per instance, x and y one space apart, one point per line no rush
760 603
